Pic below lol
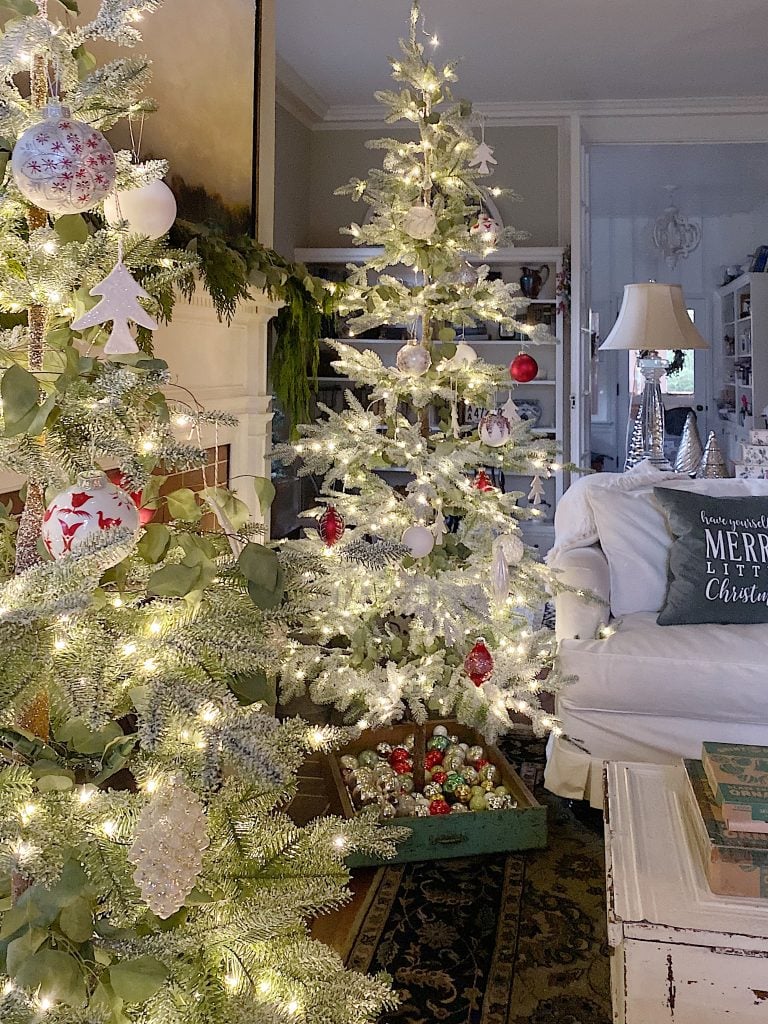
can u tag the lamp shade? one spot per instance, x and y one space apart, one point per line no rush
653 316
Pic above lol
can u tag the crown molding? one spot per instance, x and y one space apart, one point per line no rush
296 95
369 116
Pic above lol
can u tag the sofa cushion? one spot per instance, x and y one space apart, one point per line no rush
718 562
619 511
710 671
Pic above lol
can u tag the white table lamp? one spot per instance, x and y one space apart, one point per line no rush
652 318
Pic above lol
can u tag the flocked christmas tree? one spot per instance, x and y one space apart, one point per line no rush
432 599
149 873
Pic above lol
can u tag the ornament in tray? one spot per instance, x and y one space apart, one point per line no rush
458 778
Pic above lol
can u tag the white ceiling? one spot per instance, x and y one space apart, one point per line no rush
627 180
537 49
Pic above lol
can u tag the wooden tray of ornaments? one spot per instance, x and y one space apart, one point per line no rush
451 835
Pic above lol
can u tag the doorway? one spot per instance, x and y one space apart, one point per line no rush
723 191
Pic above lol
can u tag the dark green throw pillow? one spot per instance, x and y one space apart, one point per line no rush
718 562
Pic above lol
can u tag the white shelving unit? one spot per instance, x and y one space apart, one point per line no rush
741 366
550 387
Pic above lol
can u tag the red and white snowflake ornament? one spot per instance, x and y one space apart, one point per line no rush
88 508
63 165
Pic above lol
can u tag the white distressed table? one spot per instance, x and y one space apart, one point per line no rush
680 954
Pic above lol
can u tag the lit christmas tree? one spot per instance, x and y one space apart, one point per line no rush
431 597
149 873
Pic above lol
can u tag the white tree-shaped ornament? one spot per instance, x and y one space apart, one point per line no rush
120 304
536 494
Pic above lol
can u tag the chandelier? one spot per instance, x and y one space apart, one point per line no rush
673 234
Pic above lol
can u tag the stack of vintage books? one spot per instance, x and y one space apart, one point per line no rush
729 789
754 457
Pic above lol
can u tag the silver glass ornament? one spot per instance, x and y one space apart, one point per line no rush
691 450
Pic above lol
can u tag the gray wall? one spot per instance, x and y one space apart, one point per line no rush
293 160
527 162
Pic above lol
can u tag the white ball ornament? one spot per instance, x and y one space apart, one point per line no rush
63 165
149 210
494 429
464 356
90 507
413 359
440 730
419 540
512 547
420 222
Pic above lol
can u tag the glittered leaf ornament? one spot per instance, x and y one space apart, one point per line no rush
499 576
120 304
168 845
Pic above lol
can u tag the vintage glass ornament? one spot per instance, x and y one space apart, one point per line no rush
463 792
451 784
419 540
384 750
405 782
478 664
459 808
489 773
470 775
494 429
62 165
481 762
433 759
478 803
399 754
409 741
439 807
368 758
523 368
386 810
432 790
331 526
455 751
413 359
439 776
81 512
348 762
168 844
420 222
406 806
482 482
438 742
474 754
149 210
422 809
402 767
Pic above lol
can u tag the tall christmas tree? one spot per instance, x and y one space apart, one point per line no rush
431 597
149 873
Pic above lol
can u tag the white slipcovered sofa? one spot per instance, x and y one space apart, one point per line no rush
643 692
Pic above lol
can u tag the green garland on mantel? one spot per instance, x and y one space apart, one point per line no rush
232 264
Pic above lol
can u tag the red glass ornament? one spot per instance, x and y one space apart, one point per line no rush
482 482
433 759
523 368
478 664
439 776
331 526
402 767
399 754
146 515
439 807
481 762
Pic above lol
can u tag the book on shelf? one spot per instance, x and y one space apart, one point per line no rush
738 778
736 864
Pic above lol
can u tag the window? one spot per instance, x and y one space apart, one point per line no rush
681 383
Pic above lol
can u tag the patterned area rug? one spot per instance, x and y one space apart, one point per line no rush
502 939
